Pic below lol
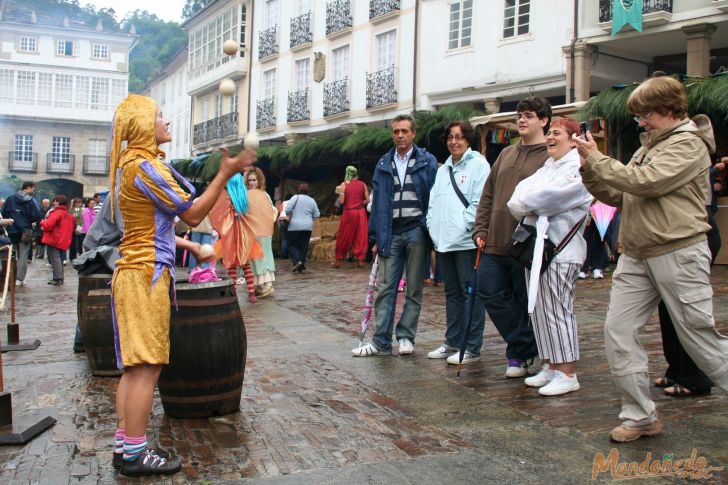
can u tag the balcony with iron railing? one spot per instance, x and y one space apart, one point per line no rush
215 129
268 42
266 114
380 10
338 18
381 89
301 33
95 165
336 97
298 107
60 163
654 12
22 161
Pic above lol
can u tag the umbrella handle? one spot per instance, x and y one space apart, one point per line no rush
477 258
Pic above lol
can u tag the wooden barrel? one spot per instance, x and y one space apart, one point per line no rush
97 327
207 352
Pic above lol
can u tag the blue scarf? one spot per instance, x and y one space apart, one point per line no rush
238 193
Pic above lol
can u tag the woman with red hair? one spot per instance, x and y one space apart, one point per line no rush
555 201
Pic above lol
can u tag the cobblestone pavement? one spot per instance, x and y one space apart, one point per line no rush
310 413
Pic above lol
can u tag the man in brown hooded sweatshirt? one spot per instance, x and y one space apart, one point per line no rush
501 279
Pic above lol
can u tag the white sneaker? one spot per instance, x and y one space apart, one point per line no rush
442 352
516 368
240 281
560 384
597 274
582 275
367 350
467 358
540 379
406 347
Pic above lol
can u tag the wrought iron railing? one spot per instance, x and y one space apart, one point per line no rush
381 88
215 129
648 6
301 30
60 163
382 7
336 97
266 113
268 42
95 165
18 161
298 108
338 16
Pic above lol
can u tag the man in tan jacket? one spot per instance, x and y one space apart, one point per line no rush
663 192
501 279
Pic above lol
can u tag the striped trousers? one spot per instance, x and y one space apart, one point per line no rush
554 324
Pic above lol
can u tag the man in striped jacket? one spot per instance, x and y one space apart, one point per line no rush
401 185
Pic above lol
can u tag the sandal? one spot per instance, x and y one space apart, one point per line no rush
663 382
676 390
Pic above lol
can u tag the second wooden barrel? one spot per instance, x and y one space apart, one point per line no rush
94 317
207 352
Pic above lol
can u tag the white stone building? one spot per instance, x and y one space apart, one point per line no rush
169 90
60 82
321 66
218 120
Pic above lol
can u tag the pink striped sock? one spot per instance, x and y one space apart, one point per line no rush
119 440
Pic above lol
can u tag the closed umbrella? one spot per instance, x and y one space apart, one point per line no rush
472 290
602 215
366 314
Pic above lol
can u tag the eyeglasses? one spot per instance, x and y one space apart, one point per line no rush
455 137
525 115
640 118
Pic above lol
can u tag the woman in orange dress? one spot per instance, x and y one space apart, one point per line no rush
261 216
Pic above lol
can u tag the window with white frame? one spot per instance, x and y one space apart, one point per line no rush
269 84
218 105
163 94
61 150
99 93
461 23
386 50
242 31
205 43
186 130
28 44
302 7
25 88
97 148
271 13
205 108
64 90
23 148
118 91
340 63
81 95
302 73
64 47
516 17
234 99
7 84
45 89
100 51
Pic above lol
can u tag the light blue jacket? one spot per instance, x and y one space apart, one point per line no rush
450 224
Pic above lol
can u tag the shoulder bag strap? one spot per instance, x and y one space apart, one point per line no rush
294 205
457 189
570 234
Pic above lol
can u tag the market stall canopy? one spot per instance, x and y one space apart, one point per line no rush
505 119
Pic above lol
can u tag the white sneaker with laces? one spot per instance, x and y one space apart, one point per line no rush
540 379
442 352
597 274
367 350
560 384
582 275
467 358
406 347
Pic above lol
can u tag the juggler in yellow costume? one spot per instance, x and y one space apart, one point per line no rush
149 198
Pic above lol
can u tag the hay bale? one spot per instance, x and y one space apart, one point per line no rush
322 250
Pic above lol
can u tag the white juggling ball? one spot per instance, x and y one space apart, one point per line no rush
227 87
230 47
251 141
207 251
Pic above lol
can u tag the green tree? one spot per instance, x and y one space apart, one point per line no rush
192 7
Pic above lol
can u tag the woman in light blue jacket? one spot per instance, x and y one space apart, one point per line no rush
450 218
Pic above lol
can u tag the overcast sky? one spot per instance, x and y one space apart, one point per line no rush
165 9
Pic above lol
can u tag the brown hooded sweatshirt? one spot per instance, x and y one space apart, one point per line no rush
493 221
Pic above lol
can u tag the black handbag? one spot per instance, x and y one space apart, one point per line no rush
523 243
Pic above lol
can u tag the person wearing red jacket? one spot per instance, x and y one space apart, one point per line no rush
58 227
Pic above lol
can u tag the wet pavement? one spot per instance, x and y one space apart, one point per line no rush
311 413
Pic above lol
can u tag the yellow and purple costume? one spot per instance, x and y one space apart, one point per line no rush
149 195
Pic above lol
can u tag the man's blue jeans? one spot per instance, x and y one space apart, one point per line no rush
457 271
502 288
408 250
202 238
